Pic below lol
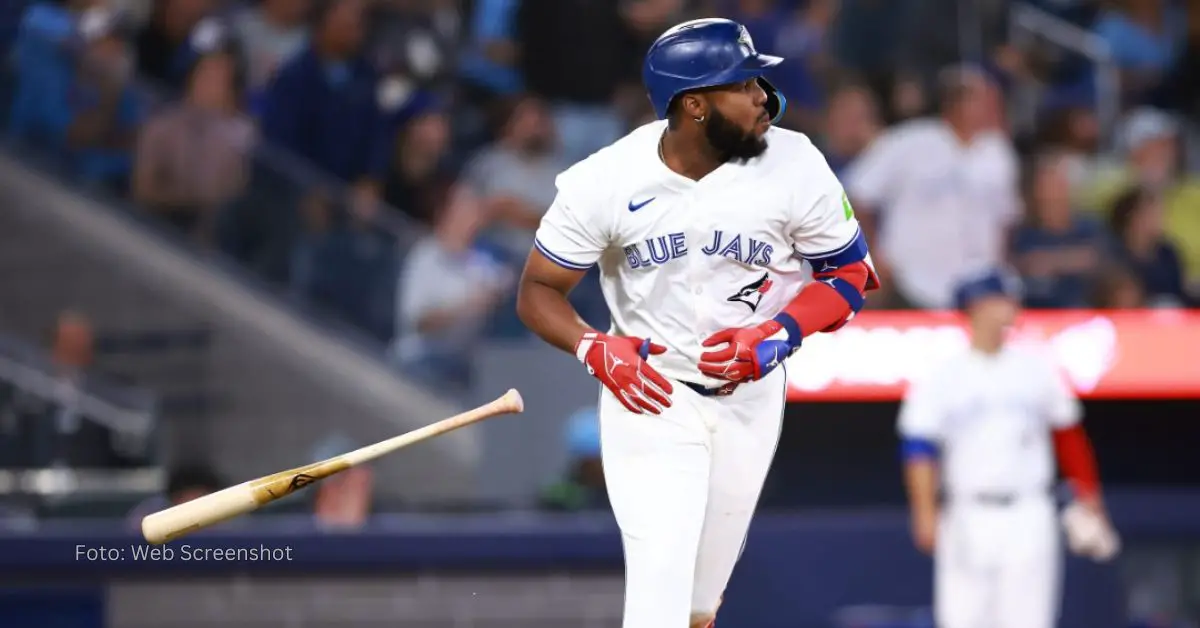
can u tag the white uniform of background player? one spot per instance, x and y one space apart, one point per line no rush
988 418
681 259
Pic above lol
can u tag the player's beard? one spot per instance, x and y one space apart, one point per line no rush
731 142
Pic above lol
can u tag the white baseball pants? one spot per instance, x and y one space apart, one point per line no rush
684 486
998 566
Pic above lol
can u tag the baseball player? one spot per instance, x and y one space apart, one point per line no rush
722 242
985 425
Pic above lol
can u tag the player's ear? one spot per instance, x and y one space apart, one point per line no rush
693 107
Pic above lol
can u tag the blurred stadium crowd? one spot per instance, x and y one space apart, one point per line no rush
387 161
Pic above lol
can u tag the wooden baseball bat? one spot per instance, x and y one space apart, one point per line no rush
202 512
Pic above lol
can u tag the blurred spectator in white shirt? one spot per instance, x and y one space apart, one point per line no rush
448 290
937 194
515 176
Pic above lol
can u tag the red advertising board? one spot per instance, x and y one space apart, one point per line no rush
1103 354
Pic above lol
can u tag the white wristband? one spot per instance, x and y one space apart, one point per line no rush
584 345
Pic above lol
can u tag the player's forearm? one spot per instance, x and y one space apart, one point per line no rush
1078 461
826 303
921 482
546 312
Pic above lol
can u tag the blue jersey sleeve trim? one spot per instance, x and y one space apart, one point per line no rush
853 251
558 259
918 449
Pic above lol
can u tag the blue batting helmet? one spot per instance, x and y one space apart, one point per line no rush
706 53
992 282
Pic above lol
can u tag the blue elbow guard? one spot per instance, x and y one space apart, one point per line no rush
918 448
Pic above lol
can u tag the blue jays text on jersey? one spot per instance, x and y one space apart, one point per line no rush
662 249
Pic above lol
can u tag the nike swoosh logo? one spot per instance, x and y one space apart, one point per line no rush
636 206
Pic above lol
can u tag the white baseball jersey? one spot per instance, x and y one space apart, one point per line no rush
928 187
992 416
682 259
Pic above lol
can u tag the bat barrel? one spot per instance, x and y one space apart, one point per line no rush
198 514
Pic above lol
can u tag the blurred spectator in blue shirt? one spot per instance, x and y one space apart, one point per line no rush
47 39
489 61
1057 251
1145 37
165 45
78 102
852 122
328 106
1142 245
268 34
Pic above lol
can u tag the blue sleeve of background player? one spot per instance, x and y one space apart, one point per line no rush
912 449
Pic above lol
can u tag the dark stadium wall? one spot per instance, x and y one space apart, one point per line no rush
846 454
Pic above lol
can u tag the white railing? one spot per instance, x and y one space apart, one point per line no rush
1027 22
130 413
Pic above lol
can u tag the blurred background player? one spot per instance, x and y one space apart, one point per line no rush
985 426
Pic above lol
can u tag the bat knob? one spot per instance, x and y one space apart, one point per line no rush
513 401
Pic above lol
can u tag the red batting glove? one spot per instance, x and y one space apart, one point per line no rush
748 356
619 362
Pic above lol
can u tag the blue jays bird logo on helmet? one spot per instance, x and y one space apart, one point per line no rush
745 40
702 53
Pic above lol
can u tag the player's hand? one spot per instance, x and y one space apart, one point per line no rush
924 531
619 362
1088 530
749 353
